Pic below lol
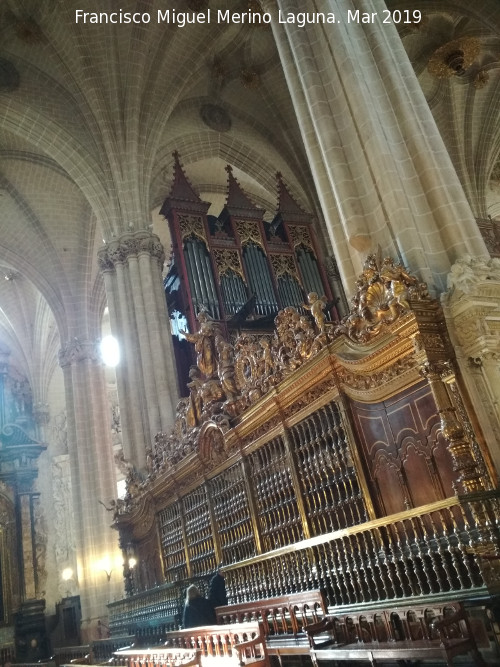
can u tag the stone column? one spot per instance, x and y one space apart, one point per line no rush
381 169
472 311
93 480
146 376
27 531
41 415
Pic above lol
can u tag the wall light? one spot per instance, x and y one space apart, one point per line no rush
110 351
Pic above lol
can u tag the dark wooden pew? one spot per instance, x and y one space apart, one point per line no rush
158 657
407 633
282 618
235 644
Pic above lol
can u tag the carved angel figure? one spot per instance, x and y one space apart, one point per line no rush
317 307
226 368
195 408
204 344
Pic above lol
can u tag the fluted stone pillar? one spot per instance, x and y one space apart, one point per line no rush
381 169
93 479
146 376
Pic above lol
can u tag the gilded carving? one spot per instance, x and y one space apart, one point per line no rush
283 264
383 294
454 58
228 260
370 381
309 397
192 225
300 236
459 445
249 232
317 307
231 378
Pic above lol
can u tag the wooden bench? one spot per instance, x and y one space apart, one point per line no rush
399 634
158 657
236 644
282 618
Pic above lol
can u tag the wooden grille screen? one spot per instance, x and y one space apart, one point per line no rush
232 514
259 494
172 542
199 533
279 518
329 483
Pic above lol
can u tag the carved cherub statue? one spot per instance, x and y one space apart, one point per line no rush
317 307
204 344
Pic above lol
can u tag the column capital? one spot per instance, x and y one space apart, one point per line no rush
130 244
41 413
472 305
77 350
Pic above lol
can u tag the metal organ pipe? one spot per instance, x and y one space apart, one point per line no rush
270 299
214 299
192 276
201 275
229 300
242 292
249 259
260 279
309 283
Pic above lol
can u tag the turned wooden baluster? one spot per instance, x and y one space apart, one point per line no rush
462 546
430 582
366 576
398 550
353 558
388 572
373 564
416 563
446 557
323 469
335 482
315 469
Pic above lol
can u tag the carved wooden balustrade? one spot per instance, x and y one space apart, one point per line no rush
432 550
330 456
157 608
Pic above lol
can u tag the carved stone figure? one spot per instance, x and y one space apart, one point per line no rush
468 271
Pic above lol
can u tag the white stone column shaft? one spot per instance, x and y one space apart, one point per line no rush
160 338
146 378
93 478
373 142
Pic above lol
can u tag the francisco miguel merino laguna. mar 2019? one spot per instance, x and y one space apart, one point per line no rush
301 19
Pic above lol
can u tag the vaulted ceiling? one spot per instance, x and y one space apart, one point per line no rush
90 116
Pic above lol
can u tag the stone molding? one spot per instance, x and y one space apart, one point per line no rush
77 350
469 272
472 304
130 245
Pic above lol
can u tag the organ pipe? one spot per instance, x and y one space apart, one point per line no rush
193 279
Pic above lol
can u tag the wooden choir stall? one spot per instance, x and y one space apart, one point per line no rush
336 472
